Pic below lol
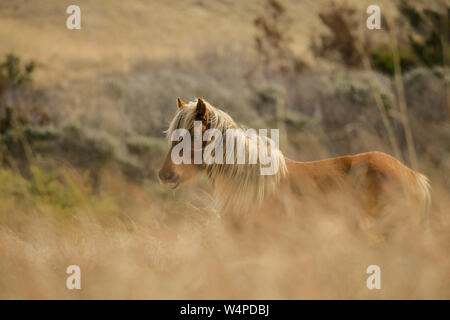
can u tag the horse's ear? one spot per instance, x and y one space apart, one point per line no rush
202 111
180 103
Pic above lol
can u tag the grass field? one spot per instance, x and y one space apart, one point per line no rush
78 176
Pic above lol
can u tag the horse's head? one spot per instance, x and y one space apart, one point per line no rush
172 173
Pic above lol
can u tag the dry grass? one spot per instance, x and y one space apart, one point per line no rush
133 242
115 34
119 76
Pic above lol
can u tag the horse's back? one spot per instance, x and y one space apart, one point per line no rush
374 178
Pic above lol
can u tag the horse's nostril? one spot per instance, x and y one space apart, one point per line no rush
167 176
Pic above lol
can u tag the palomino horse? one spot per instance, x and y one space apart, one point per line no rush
370 176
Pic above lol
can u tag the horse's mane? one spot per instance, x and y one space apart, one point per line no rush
236 186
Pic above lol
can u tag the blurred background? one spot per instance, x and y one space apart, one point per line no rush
82 115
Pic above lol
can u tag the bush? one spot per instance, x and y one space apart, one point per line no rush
381 59
430 30
145 146
268 99
13 74
353 91
37 133
423 48
85 150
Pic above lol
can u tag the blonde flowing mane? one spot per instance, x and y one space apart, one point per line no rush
236 186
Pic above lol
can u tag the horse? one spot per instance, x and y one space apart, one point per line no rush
374 178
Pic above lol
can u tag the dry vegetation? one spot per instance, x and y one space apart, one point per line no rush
81 139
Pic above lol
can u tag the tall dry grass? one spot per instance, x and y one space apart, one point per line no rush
109 91
150 243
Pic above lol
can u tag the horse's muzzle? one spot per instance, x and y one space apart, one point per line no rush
169 178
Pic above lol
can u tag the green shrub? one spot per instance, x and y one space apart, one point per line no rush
388 100
86 150
430 51
114 90
38 133
411 14
296 122
145 146
269 98
353 91
381 59
13 74
426 47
